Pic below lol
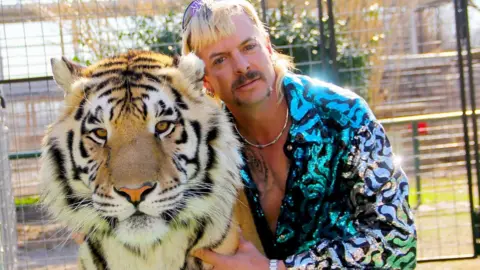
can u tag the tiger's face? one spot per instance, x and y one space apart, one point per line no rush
139 149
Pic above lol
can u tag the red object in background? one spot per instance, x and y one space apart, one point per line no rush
422 128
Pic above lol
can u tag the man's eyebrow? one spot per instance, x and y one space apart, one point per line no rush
247 41
213 55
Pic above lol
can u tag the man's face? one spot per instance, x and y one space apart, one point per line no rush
239 69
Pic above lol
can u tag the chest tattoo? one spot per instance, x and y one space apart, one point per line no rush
258 166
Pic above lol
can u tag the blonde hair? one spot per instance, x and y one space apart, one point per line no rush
211 21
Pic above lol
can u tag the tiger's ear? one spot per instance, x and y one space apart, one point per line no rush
193 69
65 72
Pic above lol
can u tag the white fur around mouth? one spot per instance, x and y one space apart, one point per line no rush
137 218
141 230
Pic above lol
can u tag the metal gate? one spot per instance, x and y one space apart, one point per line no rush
465 67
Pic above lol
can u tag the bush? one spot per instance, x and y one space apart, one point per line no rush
298 34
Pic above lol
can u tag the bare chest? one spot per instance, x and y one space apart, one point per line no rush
269 170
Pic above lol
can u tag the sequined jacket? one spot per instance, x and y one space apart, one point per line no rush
345 203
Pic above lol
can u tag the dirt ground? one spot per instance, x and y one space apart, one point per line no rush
450 265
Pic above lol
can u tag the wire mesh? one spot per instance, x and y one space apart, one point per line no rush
398 54
414 71
438 185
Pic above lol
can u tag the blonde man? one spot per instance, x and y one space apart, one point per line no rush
319 173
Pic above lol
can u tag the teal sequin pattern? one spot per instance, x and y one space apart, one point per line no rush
345 203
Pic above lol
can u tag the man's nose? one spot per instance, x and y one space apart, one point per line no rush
135 194
241 63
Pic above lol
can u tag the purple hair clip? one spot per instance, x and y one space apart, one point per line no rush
190 11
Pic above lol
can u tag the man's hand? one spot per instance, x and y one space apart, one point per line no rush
247 257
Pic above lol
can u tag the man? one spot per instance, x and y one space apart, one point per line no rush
319 173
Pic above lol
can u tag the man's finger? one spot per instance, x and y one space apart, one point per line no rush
244 244
209 256
241 241
241 238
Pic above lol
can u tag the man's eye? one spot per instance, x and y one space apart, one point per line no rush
250 47
219 60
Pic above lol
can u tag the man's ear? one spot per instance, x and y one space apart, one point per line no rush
65 72
268 44
207 84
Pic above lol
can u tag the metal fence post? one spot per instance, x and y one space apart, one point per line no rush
465 36
8 232
321 42
264 13
333 44
464 31
416 158
461 29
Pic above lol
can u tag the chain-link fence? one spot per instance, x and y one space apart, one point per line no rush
400 55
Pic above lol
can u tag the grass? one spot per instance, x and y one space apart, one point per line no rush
28 200
441 190
430 196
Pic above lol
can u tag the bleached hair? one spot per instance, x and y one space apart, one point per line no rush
212 21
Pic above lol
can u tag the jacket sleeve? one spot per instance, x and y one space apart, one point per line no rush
385 233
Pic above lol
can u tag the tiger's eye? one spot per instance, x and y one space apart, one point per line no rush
162 126
101 133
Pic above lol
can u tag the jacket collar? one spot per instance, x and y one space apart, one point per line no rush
307 125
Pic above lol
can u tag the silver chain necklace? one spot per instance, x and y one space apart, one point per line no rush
267 144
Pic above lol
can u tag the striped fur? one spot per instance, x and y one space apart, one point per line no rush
193 166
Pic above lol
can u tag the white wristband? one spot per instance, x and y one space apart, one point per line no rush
273 264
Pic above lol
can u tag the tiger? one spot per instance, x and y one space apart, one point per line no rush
143 163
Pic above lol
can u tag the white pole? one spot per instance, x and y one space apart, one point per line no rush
8 232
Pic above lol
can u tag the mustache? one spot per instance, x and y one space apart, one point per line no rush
249 76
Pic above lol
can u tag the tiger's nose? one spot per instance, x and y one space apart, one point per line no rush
136 194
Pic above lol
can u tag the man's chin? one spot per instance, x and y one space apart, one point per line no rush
141 230
254 97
